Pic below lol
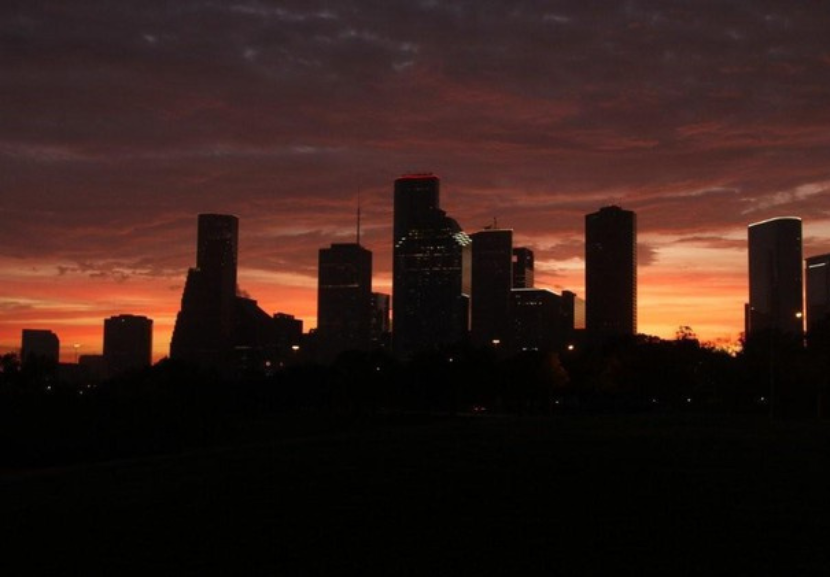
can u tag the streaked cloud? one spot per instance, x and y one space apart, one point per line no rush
122 120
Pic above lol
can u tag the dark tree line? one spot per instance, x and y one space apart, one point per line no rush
173 406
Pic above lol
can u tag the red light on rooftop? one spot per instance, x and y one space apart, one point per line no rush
418 176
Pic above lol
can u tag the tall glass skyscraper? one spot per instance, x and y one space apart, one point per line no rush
611 273
775 276
431 272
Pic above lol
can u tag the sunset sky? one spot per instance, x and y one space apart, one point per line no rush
121 121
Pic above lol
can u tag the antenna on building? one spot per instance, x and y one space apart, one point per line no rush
358 216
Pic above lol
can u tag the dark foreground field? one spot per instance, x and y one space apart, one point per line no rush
477 495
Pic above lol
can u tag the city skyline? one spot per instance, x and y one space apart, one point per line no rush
122 124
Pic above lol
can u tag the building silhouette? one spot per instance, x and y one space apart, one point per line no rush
381 327
344 299
205 325
288 332
128 343
492 279
431 269
775 277
541 320
522 267
611 273
216 327
818 292
39 346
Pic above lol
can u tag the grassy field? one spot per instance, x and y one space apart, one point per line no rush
575 495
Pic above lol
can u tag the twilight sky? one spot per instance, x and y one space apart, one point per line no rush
121 121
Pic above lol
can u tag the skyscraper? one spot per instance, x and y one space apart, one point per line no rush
431 272
492 278
775 276
204 331
818 291
522 267
611 272
38 345
344 299
128 343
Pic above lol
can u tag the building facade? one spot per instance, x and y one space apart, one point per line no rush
205 324
128 343
492 279
344 299
775 277
39 345
537 320
431 269
611 273
818 292
522 267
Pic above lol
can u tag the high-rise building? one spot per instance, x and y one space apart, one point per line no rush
39 346
492 278
818 292
775 277
205 325
344 299
128 343
431 269
522 267
611 272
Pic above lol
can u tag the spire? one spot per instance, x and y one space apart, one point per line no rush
358 216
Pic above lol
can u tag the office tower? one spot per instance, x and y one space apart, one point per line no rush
611 273
538 320
431 272
492 277
39 346
522 267
818 292
344 299
380 326
128 343
216 258
775 276
204 331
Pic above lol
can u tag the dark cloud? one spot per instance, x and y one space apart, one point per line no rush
122 120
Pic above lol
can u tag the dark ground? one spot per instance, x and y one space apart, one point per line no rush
593 495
